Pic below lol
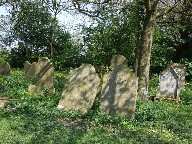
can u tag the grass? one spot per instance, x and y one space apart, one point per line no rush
36 119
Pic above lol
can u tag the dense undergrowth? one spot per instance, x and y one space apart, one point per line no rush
35 119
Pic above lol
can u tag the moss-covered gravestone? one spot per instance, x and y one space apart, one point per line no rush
44 77
119 92
81 89
4 68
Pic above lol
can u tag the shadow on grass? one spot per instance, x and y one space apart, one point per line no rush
33 126
45 125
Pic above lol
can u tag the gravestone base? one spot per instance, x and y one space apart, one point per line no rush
52 90
168 99
33 89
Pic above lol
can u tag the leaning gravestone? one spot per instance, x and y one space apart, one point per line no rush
172 81
80 90
119 92
118 60
29 69
44 77
4 68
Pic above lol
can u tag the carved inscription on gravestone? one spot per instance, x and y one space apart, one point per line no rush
5 68
119 92
172 81
80 90
44 77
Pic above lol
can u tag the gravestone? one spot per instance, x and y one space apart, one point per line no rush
81 89
29 69
4 68
172 81
44 77
118 60
119 92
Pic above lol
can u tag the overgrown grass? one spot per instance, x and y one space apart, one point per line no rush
35 119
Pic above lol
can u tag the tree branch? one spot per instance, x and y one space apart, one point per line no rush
93 14
168 10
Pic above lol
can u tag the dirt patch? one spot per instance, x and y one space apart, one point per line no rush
4 100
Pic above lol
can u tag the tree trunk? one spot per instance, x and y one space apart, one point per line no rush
145 48
140 11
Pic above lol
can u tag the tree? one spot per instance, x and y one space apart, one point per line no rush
148 26
31 33
143 53
114 35
145 47
176 28
55 7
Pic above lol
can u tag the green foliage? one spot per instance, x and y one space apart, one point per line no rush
116 34
188 65
31 31
145 111
162 51
170 116
150 111
14 85
36 33
186 94
172 41
153 84
33 24
35 119
60 80
4 54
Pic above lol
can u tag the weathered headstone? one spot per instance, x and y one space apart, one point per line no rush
29 69
118 60
4 68
44 77
172 81
119 92
80 90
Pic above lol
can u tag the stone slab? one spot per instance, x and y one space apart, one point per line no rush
119 92
81 89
